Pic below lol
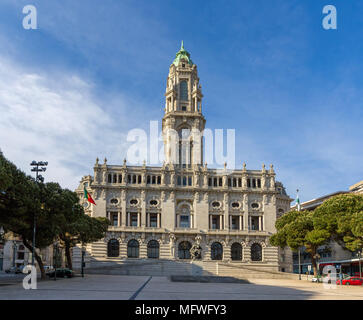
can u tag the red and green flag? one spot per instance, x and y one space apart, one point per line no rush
88 196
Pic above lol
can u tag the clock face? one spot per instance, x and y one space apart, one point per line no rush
85 205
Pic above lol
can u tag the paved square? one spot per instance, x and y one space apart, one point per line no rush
107 287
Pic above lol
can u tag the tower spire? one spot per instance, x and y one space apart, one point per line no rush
182 45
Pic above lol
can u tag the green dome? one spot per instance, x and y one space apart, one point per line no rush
182 54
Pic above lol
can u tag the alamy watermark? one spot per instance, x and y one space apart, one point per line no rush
184 146
30 280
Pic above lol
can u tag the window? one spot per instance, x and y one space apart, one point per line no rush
148 180
133 220
235 205
120 178
153 202
235 223
133 249
134 202
189 181
216 251
184 108
159 179
184 221
153 249
115 178
153 220
114 219
184 250
216 222
209 182
254 205
109 178
236 251
255 223
248 183
183 90
216 204
113 248
220 182
256 252
114 201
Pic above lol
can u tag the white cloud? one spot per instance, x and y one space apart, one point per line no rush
55 117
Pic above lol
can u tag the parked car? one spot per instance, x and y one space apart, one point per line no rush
355 281
14 270
61 273
46 268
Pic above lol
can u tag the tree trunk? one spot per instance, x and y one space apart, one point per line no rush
313 262
68 255
36 256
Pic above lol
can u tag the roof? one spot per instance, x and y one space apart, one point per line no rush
182 54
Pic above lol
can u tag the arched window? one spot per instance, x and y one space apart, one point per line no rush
236 251
133 249
216 251
184 250
256 252
153 249
109 178
113 248
183 90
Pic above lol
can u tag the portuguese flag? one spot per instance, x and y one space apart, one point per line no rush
88 196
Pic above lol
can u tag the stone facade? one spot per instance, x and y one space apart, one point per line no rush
184 207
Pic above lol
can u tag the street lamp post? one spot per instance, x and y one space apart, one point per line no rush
82 261
14 252
299 266
39 166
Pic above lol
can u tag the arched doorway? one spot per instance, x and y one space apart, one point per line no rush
133 249
216 251
113 248
256 252
153 249
236 251
184 250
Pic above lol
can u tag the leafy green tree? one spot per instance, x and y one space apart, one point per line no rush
295 229
342 217
20 202
74 226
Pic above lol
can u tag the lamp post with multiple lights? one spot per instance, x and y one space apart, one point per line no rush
39 166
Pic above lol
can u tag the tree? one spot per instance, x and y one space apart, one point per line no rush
74 226
342 217
295 229
20 202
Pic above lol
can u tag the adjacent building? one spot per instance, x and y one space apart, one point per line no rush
332 253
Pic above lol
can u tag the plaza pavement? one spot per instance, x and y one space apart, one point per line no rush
107 287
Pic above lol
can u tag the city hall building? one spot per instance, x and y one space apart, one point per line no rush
185 211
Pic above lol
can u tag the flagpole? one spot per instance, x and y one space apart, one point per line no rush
298 209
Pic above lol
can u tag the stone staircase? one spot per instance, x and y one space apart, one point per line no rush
161 267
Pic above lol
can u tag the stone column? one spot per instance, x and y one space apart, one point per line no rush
119 219
221 222
240 222
128 219
210 222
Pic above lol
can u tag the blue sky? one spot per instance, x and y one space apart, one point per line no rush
72 89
